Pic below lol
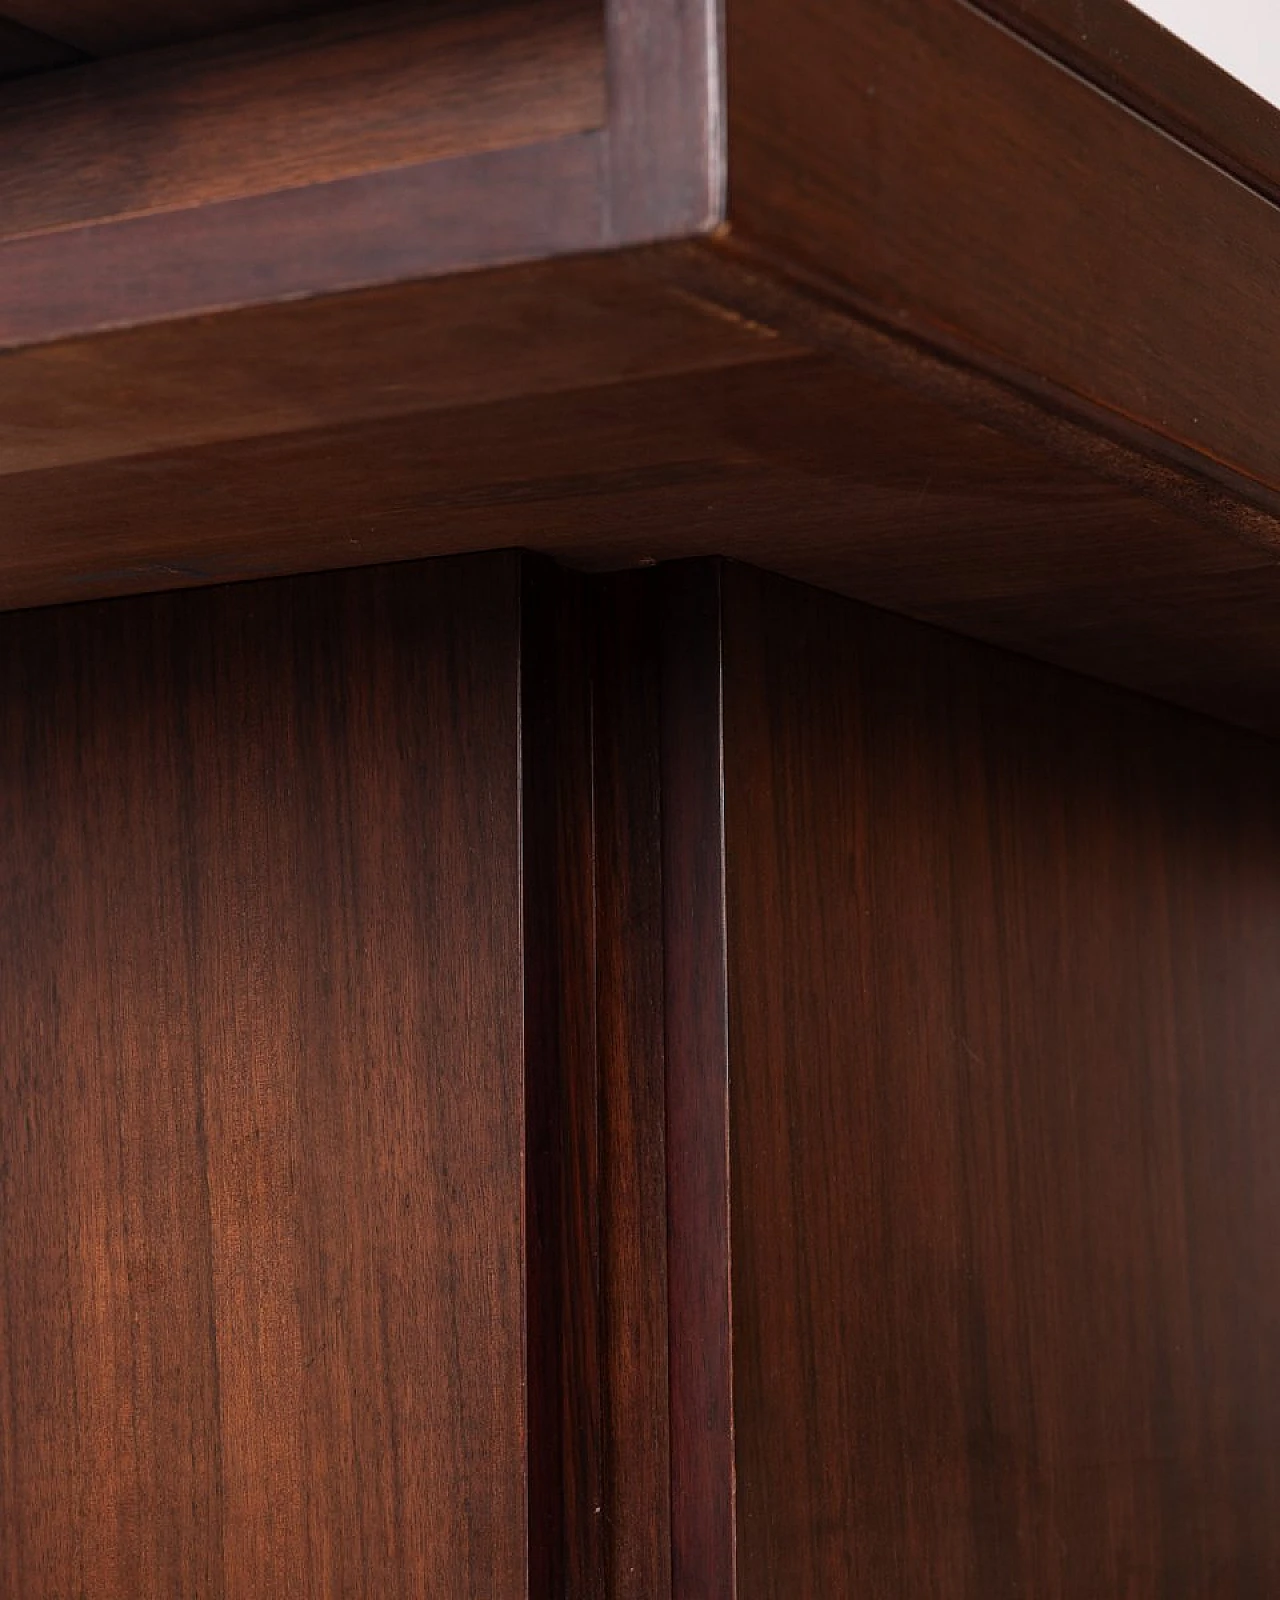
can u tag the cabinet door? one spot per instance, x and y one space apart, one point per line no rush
264 1082
1003 1029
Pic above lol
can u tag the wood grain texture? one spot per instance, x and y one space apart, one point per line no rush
919 161
695 968
567 1308
420 221
627 800
600 1458
1119 48
666 118
368 90
378 145
262 1092
833 468
102 29
452 343
1003 1025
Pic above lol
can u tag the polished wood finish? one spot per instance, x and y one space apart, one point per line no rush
566 1379
654 1086
696 955
1003 1024
459 343
600 1463
405 223
366 90
805 374
665 151
376 145
1143 65
628 799
608 417
267 1083
348 151
663 1084
920 163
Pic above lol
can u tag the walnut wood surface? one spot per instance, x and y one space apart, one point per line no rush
608 413
262 1092
566 1309
377 146
374 145
696 956
921 162
628 800
462 342
1125 52
360 91
1003 1025
396 1105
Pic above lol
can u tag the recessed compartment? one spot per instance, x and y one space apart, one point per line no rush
296 102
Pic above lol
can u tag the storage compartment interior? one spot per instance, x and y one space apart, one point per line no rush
290 98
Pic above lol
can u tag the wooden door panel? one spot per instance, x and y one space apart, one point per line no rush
262 1098
1003 1029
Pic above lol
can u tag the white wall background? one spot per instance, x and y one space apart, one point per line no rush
1242 36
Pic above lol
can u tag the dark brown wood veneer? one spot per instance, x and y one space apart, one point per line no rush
998 1079
263 1068
636 1085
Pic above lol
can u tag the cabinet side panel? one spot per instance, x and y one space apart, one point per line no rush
261 1092
1004 1026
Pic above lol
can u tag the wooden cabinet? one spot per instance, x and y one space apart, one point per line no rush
661 1084
550 1044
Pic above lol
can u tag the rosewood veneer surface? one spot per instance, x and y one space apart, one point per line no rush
968 315
262 1093
1002 1033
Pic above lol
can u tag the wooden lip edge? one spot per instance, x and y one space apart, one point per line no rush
563 1304
402 225
1131 57
695 987
199 91
629 183
801 304
353 233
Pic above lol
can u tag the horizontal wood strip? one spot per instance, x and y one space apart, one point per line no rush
1116 46
262 1122
359 92
799 464
919 160
414 222
464 340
